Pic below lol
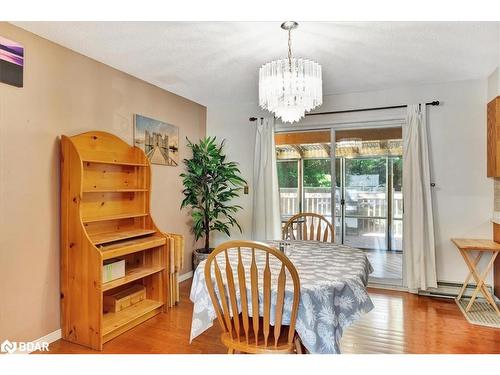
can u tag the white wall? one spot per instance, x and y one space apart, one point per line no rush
230 121
457 131
463 194
494 78
494 84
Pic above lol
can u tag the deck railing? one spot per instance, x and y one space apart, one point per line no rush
358 203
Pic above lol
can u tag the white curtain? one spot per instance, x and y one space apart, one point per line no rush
418 223
266 199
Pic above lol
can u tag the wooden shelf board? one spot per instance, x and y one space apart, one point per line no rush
115 162
132 274
114 323
112 217
102 238
130 246
114 190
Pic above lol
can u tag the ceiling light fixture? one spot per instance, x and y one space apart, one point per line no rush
290 87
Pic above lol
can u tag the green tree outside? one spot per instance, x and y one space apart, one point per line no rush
317 171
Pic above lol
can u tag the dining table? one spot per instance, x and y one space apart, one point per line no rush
333 292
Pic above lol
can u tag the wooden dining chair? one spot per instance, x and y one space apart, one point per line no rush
241 332
309 227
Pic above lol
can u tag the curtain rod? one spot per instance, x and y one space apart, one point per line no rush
255 118
433 103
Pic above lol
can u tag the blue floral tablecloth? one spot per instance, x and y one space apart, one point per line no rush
333 280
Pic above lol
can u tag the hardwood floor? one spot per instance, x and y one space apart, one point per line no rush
387 265
406 323
400 323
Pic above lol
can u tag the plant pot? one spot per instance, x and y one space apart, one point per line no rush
199 255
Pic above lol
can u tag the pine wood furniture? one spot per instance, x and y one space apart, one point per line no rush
466 247
176 246
124 298
493 169
493 138
308 226
242 332
105 214
496 266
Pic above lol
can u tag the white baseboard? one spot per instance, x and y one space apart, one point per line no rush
446 289
51 337
185 276
376 285
449 289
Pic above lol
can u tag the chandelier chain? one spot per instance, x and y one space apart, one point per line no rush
290 50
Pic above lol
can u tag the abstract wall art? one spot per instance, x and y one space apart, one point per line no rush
11 62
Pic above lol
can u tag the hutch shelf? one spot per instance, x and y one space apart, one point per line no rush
105 215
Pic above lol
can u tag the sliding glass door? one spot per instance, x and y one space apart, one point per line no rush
288 180
370 211
396 186
317 187
366 191
304 173
305 186
365 203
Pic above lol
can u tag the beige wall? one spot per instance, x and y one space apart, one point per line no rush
67 93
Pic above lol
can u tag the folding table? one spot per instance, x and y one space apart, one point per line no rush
481 247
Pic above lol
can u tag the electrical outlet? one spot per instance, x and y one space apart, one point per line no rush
245 190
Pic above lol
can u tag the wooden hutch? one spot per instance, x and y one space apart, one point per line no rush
105 214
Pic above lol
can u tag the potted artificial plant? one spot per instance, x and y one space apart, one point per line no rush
210 183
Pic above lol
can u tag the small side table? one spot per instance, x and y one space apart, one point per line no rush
466 248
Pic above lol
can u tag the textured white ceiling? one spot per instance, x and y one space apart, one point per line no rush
218 61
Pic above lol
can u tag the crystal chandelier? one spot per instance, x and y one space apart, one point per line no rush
290 87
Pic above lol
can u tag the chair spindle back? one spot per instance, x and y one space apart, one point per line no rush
243 326
310 226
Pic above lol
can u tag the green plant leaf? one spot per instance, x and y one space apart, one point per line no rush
210 184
